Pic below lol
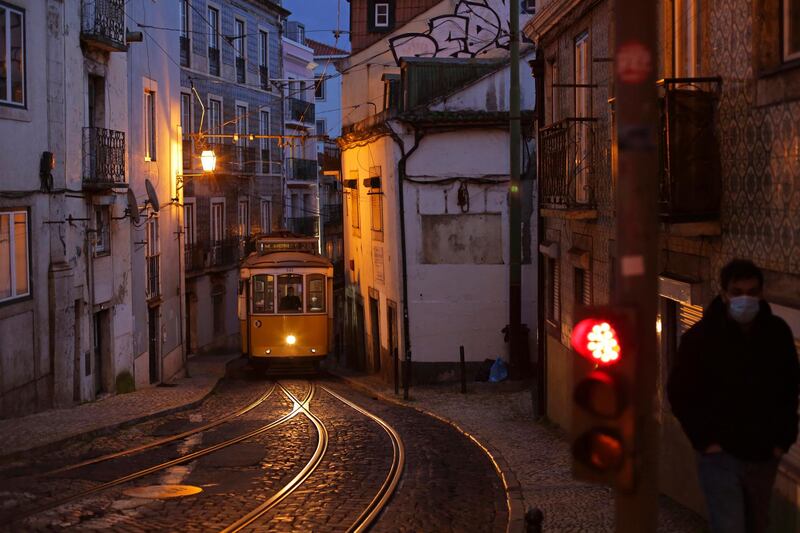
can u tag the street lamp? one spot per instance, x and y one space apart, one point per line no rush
209 160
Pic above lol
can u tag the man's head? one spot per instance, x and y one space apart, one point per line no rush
742 284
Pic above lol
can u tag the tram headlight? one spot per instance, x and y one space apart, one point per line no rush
291 339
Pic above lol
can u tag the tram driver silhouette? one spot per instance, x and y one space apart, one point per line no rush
291 302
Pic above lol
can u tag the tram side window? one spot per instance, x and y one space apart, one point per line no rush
263 293
290 292
316 293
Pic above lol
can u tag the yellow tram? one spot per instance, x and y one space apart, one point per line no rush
285 301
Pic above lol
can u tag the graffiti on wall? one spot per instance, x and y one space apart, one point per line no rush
474 28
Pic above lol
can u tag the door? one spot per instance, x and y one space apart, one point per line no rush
76 369
375 321
391 335
360 335
153 344
101 338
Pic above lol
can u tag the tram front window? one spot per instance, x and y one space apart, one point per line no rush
263 293
316 293
290 291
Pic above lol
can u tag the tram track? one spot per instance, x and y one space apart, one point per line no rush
297 408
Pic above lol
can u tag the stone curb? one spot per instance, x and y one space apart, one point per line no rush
514 499
107 430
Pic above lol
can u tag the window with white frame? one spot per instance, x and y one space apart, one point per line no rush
240 37
149 126
321 126
355 213
319 87
244 218
685 38
102 228
188 222
213 28
152 256
382 15
241 122
12 55
266 216
186 129
184 7
791 30
14 263
214 118
217 221
263 59
582 111
264 129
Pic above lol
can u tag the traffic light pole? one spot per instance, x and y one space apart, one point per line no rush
635 63
515 337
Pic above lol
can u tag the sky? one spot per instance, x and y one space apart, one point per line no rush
319 15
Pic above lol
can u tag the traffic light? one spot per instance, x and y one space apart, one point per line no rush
603 411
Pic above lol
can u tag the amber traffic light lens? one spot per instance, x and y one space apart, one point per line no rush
600 448
597 340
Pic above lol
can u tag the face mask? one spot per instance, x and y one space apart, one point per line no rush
743 309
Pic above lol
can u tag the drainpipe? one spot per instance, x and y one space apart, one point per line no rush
401 171
540 400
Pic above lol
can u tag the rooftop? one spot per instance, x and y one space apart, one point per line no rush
322 49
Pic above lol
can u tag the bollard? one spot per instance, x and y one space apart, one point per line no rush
533 520
463 366
396 372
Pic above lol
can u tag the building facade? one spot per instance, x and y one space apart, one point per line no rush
727 181
425 149
231 57
65 249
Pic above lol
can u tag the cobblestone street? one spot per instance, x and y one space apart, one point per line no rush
293 459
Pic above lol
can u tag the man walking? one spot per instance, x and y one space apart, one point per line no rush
734 389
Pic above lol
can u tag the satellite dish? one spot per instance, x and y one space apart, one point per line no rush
151 194
133 207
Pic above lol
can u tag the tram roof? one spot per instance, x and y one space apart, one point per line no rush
289 258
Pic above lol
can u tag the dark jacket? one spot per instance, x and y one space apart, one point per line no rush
734 388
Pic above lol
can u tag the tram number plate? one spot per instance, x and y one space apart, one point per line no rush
289 270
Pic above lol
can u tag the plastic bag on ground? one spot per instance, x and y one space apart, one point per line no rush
499 371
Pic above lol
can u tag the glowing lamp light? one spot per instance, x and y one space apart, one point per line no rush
597 341
209 160
291 339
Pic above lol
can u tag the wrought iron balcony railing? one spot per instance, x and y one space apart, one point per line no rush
301 169
240 66
330 158
690 184
103 24
565 165
186 52
300 111
236 159
103 158
303 226
153 277
213 61
199 256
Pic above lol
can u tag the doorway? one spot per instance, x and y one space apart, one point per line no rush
153 344
360 334
101 338
391 335
76 357
375 326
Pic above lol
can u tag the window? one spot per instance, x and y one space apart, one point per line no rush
582 110
152 250
316 293
382 15
186 129
239 45
319 87
214 119
149 126
355 215
217 221
552 291
188 222
684 44
266 217
244 218
102 225
376 200
263 62
529 6
12 55
213 41
241 122
14 269
290 293
263 293
264 129
554 91
791 29
583 287
185 42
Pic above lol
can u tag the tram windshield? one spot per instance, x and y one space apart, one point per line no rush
290 293
316 293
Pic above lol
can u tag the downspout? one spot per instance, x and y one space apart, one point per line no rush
401 171
540 399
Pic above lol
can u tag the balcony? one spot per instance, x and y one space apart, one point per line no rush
202 256
186 52
299 111
566 177
690 183
263 73
308 226
213 61
103 24
103 159
240 66
330 158
301 169
236 159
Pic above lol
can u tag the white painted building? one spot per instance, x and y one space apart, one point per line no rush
426 173
154 142
65 289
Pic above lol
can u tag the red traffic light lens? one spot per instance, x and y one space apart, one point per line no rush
596 340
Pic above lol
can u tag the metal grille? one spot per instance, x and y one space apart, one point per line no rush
153 278
240 76
301 169
300 110
103 157
104 19
213 61
185 52
688 316
264 75
566 175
